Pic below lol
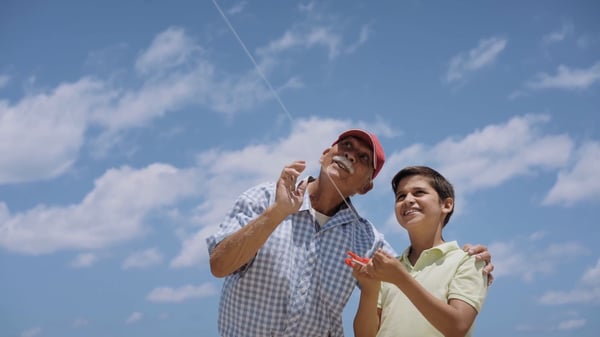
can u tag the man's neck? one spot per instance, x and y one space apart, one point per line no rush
324 197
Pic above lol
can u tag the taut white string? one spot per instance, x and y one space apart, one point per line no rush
262 75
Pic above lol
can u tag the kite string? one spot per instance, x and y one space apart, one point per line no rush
262 75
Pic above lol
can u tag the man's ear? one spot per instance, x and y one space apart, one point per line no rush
366 187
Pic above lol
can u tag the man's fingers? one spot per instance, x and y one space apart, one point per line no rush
302 187
479 251
485 256
474 249
489 268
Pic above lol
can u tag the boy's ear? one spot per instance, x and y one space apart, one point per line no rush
448 205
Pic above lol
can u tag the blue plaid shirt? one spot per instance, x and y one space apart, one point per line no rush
298 283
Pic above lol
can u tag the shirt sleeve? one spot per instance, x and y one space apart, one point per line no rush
469 284
380 242
246 208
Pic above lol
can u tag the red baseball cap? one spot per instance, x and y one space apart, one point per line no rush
371 139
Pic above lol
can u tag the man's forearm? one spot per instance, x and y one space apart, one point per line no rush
240 247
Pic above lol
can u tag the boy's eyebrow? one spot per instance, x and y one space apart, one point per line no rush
414 188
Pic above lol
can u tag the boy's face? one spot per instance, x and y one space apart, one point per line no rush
349 163
419 205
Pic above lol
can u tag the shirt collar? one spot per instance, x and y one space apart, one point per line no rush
433 252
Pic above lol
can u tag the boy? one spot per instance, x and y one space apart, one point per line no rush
434 288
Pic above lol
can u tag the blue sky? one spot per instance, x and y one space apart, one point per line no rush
128 128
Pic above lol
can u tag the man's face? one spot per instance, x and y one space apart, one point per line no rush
349 163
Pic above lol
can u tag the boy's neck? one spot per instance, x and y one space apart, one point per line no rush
419 246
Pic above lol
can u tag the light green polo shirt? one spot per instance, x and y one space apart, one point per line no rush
446 271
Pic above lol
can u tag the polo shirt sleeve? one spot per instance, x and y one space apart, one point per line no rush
469 284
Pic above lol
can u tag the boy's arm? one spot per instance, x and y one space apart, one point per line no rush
366 320
454 318
451 319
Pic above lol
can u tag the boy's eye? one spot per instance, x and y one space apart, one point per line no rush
364 158
400 197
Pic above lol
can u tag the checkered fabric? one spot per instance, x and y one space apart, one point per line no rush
297 284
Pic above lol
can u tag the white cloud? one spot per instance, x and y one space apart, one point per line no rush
32 332
134 317
176 295
309 7
571 324
114 211
479 57
40 136
194 249
587 41
583 295
542 261
169 48
4 79
565 30
580 182
587 291
567 78
79 322
316 36
537 235
490 156
592 276
143 259
362 39
237 8
317 31
84 260
551 326
50 125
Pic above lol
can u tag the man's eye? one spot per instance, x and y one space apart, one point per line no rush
364 159
400 197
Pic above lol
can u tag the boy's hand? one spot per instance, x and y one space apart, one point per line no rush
385 267
359 271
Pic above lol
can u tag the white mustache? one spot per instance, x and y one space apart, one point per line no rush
347 164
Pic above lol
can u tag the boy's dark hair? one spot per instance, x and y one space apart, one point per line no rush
440 184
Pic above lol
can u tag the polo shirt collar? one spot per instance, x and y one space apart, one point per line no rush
430 255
